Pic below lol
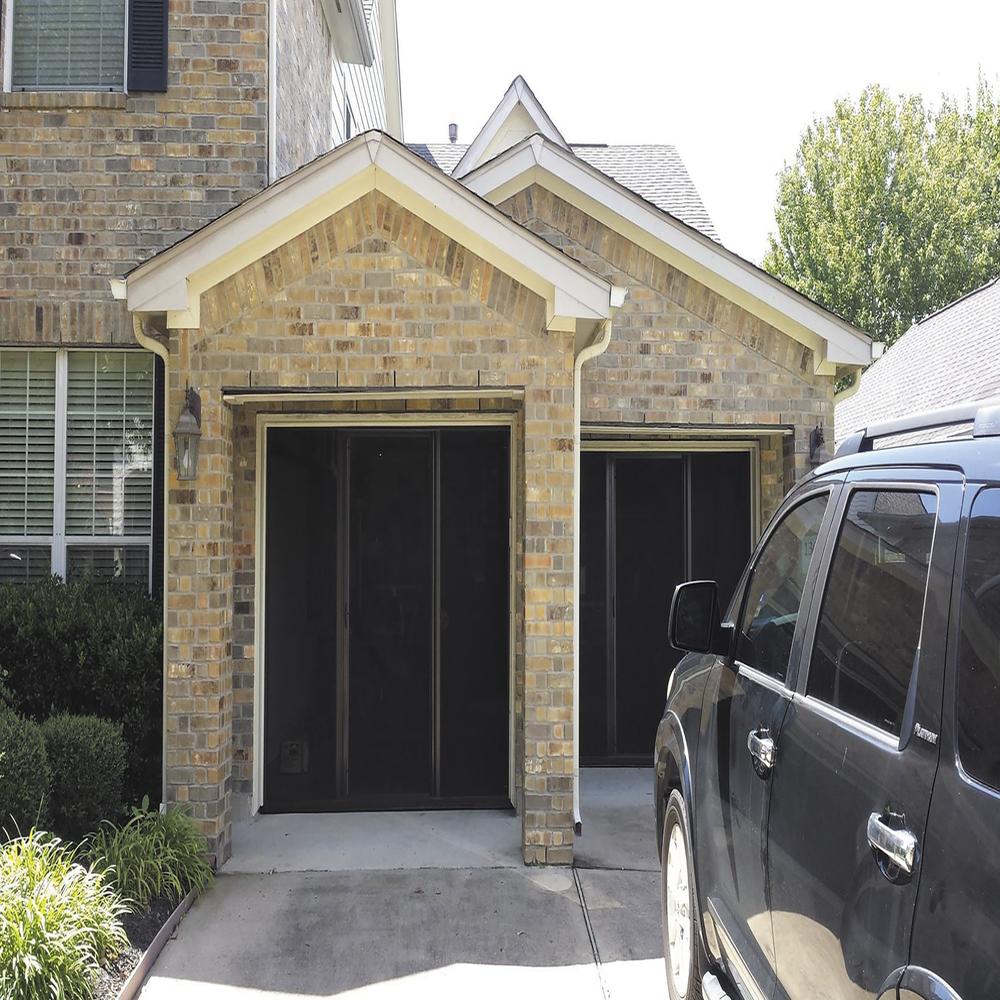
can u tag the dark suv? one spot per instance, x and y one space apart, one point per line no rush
828 763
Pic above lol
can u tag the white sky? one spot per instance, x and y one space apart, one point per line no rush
731 84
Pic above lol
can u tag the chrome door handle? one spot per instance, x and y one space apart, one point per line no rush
762 750
898 845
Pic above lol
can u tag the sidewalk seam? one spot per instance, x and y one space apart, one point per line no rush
605 992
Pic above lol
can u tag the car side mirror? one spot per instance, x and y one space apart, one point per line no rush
695 625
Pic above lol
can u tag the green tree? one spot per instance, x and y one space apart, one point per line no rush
891 210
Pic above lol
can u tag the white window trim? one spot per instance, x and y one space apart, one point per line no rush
8 60
59 541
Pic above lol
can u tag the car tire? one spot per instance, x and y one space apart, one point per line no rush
682 948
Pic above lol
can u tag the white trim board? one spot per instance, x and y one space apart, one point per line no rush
536 160
519 110
172 282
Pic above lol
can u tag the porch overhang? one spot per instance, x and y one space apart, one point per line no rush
837 346
172 282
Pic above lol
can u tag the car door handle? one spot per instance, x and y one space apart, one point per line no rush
762 751
898 845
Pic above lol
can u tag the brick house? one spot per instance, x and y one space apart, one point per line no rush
466 414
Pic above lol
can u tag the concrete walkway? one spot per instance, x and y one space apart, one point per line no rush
387 906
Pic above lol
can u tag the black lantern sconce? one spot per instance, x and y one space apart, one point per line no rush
187 435
816 442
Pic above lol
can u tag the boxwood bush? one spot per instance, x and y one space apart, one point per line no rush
87 765
89 648
24 774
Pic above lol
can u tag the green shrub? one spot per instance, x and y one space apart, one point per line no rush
24 774
87 764
59 922
154 855
92 649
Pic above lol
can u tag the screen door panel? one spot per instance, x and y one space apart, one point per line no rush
390 605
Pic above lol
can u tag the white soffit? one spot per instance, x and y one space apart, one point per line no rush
536 160
518 115
173 281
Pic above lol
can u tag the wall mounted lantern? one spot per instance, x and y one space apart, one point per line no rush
816 442
187 434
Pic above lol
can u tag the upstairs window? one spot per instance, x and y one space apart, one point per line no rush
68 45
87 45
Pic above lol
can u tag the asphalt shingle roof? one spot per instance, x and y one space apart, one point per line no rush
952 356
655 173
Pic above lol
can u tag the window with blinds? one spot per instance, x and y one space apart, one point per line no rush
27 442
109 443
68 45
76 464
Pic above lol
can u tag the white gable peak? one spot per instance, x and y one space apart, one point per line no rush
518 115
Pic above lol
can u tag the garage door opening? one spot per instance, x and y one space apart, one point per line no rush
649 521
386 639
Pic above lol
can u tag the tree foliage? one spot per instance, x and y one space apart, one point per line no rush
891 210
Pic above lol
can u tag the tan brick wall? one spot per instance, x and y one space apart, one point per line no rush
303 93
94 183
682 354
374 297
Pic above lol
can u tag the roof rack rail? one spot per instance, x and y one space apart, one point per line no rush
984 417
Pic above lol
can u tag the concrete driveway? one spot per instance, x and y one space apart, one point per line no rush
373 924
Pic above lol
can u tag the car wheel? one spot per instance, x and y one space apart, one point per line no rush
682 950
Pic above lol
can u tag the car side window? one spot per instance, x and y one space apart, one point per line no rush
979 648
774 591
868 631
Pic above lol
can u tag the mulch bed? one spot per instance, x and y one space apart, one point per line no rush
141 929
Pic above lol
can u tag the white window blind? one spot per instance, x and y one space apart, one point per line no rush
109 443
27 442
76 464
68 45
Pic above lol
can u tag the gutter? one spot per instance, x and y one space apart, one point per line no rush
151 344
598 345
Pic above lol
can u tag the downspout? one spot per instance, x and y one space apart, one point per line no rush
161 351
597 346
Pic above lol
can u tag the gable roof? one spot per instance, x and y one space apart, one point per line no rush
951 357
654 172
833 341
172 281
518 114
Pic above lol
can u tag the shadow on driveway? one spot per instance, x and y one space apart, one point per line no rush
473 933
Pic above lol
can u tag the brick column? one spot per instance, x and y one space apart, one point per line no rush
547 817
199 685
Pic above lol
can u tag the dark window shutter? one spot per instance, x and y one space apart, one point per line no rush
147 45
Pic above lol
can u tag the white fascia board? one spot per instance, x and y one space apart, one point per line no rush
573 289
535 160
517 93
173 281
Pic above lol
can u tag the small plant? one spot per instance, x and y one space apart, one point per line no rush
59 921
154 855
87 759
24 773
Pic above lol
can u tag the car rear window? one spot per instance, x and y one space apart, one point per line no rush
979 649
869 625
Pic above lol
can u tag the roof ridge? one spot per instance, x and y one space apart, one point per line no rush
955 302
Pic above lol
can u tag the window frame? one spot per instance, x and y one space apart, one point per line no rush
831 488
954 666
8 62
878 483
59 542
